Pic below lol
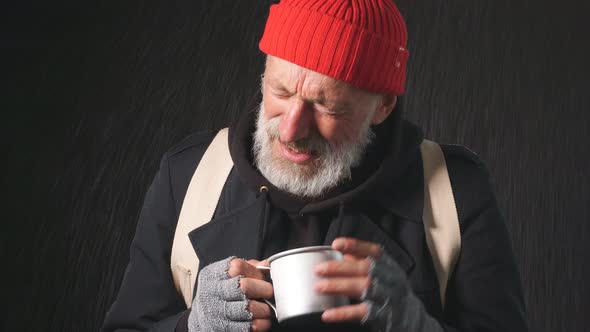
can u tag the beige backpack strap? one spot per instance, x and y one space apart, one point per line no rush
197 209
441 222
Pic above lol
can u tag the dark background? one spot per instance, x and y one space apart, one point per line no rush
94 93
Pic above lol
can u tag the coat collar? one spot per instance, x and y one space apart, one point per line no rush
233 234
405 197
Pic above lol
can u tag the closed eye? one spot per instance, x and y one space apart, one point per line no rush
336 113
281 95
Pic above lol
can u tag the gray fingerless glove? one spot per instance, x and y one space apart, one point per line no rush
220 304
392 304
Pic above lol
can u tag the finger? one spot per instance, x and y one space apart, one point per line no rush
239 267
258 263
256 289
349 267
358 248
259 310
351 287
228 290
349 257
261 325
354 312
262 266
237 311
253 262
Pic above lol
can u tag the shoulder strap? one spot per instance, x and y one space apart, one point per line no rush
441 222
197 209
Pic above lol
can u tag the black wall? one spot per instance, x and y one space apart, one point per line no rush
94 93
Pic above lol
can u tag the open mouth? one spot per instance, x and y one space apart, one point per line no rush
296 155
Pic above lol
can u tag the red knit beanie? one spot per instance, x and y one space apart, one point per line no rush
362 42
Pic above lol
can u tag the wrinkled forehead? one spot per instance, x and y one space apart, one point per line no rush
297 79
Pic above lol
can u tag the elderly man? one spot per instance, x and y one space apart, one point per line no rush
326 159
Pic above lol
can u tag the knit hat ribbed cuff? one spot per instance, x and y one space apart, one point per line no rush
335 48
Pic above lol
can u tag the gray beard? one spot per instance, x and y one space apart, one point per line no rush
315 179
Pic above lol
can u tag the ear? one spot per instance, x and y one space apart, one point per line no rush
384 108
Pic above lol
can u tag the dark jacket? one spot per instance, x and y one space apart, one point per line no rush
383 203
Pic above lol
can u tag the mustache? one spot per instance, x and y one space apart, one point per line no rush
313 144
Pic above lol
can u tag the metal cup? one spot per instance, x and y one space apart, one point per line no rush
293 278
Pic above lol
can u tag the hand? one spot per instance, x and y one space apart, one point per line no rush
254 286
227 298
368 274
349 277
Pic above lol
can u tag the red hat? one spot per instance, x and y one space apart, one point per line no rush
362 42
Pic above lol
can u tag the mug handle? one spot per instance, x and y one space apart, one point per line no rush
272 305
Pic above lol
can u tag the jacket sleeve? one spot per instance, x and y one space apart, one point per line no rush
147 298
485 290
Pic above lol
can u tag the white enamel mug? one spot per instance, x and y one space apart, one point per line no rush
293 279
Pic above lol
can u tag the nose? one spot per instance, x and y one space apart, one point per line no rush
296 122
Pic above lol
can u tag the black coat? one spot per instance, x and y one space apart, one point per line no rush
484 292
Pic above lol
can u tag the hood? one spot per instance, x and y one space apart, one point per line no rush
386 160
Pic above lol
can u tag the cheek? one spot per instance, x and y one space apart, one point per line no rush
338 131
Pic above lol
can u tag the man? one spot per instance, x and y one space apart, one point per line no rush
327 159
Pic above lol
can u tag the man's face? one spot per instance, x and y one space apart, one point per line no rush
312 128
